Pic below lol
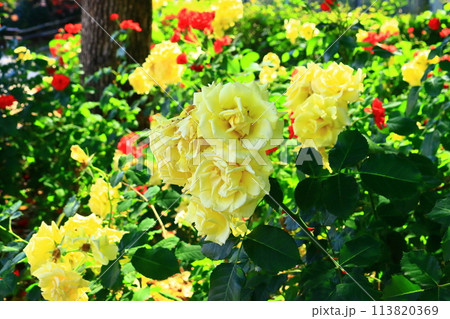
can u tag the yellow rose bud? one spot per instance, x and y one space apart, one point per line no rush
273 59
292 27
104 198
79 155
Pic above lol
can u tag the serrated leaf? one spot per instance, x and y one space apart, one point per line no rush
158 263
361 251
188 253
402 125
271 248
441 212
351 148
226 283
400 288
116 178
421 268
168 243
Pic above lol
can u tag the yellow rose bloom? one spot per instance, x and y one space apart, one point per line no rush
104 198
390 26
213 224
337 81
23 53
292 27
236 111
361 35
273 59
413 72
160 68
267 75
173 143
42 247
59 282
308 31
103 249
320 119
227 13
79 155
230 187
300 88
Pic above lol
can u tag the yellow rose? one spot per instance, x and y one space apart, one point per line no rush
227 13
337 81
140 81
23 53
237 111
361 35
160 68
267 75
230 187
59 282
79 155
42 247
103 250
308 31
213 224
292 27
390 26
173 143
413 72
320 119
300 87
104 198
273 59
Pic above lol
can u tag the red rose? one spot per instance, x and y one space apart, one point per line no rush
220 42
72 28
434 24
444 32
130 24
6 100
182 58
410 30
54 51
113 16
331 2
183 19
60 82
197 68
378 113
270 151
190 37
176 36
201 20
325 7
445 85
127 145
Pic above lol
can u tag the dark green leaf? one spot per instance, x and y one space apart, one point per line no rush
275 195
133 239
157 263
168 199
402 125
218 252
360 252
340 195
7 285
189 253
271 248
379 51
350 149
421 268
307 193
433 86
400 288
151 192
226 283
412 100
430 144
124 205
72 206
441 212
116 178
111 275
309 161
446 245
168 243
391 176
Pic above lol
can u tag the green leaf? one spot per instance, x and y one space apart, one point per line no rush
307 193
441 212
158 263
400 288
413 95
7 285
275 195
247 60
133 239
309 161
379 51
111 275
340 194
421 268
390 175
151 192
446 245
168 243
116 178
168 199
402 125
362 251
72 206
124 205
433 86
141 294
351 148
445 65
218 252
271 248
189 253
226 283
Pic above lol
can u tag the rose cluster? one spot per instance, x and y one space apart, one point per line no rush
215 149
295 29
318 100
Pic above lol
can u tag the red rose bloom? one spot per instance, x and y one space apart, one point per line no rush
183 19
60 82
72 28
410 30
325 7
113 17
445 85
220 42
434 24
270 151
201 20
197 68
6 100
182 58
444 32
130 24
176 36
127 145
378 113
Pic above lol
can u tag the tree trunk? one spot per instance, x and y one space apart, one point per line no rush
97 48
